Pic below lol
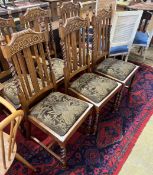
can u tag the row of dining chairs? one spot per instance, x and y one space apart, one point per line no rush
28 20
58 114
90 81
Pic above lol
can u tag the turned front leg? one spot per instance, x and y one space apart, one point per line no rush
63 156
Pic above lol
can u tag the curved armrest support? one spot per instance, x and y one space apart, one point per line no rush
15 113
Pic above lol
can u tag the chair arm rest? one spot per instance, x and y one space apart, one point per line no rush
7 120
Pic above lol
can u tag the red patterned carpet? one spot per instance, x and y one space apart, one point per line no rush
106 153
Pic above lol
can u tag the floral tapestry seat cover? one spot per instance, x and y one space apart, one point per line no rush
58 66
10 88
11 92
116 68
93 86
59 111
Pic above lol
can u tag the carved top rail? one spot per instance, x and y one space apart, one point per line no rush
101 15
68 9
20 40
7 22
39 20
103 4
7 27
73 24
33 13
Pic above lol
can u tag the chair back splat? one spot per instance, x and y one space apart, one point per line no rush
39 20
74 43
27 51
123 31
101 35
68 10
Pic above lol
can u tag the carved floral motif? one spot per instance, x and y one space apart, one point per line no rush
34 13
6 22
75 23
25 38
69 7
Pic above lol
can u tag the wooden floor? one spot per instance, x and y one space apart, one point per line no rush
140 161
137 58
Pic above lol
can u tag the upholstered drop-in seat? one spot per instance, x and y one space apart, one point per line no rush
93 86
59 112
113 50
116 68
118 49
57 66
141 38
10 86
10 91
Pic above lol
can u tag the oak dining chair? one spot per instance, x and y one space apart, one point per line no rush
8 146
118 70
57 114
79 80
39 20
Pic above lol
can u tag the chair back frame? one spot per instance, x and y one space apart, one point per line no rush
75 47
27 53
39 20
101 35
68 10
124 27
103 4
